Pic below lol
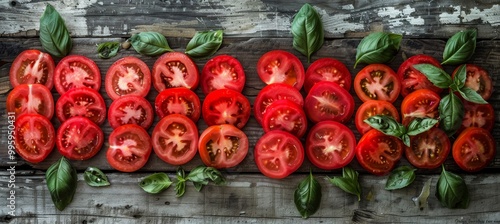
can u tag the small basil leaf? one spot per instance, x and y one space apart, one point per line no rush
203 174
94 177
214 175
307 196
348 182
204 44
180 185
452 191
307 31
436 75
400 177
471 95
149 43
387 125
451 113
460 76
420 125
460 47
155 183
61 181
54 35
107 50
378 47
406 139
198 186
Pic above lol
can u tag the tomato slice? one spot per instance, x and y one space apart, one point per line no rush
34 137
30 98
328 101
378 153
78 138
478 115
76 71
412 79
178 100
278 66
330 145
128 76
223 146
474 149
477 79
175 69
226 106
278 154
274 92
422 103
175 139
222 72
130 110
287 116
81 101
129 148
32 67
428 150
371 108
327 69
377 82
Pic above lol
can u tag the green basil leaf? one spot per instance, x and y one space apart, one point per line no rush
420 125
107 50
155 183
149 43
54 35
204 44
307 31
460 77
387 125
452 191
198 186
307 196
471 95
348 182
203 174
378 47
460 47
400 177
94 177
451 113
436 75
61 181
406 139
180 185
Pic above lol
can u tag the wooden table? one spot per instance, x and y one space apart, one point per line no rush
251 28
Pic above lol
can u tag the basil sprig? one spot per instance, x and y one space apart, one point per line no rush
54 35
378 47
201 175
94 177
180 185
452 191
108 50
307 31
348 182
149 43
400 177
155 183
204 44
460 47
61 181
307 196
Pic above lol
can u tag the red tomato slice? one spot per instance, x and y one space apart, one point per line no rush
422 103
34 137
377 82
32 67
278 66
130 110
78 138
477 115
328 101
285 115
474 149
478 79
278 154
371 108
327 69
412 79
222 72
76 71
175 139
226 106
82 101
128 76
274 92
179 100
428 150
129 148
378 153
175 69
223 146
330 145
29 99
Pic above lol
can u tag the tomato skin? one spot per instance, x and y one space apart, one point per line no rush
378 153
175 69
30 98
214 141
178 100
328 101
477 115
81 101
372 108
428 150
422 103
79 134
222 72
74 71
129 148
34 61
474 149
41 136
369 81
279 66
130 109
327 69
412 79
278 154
226 106
274 92
128 76
287 116
477 79
330 145
168 136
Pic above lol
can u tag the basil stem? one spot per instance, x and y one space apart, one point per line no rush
348 182
180 185
307 31
54 35
61 181
204 44
451 113
108 50
307 196
452 191
378 47
149 43
155 183
400 177
460 47
436 75
94 177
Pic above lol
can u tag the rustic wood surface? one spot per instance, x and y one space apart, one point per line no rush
251 28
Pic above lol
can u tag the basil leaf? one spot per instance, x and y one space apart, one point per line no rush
348 182
460 47
451 113
94 177
460 77
180 186
149 43
400 177
198 186
436 75
406 139
387 125
307 31
307 196
155 183
471 95
197 175
378 47
61 181
107 50
201 175
204 44
54 35
420 125
452 191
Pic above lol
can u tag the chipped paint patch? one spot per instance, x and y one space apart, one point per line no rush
338 23
401 17
101 31
490 16
348 7
450 18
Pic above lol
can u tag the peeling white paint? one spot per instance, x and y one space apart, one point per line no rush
348 7
399 17
450 18
490 16
338 23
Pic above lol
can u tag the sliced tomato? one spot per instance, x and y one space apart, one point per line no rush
378 153
223 146
222 72
330 145
128 76
477 79
32 67
30 98
130 110
178 100
175 139
328 101
412 79
422 103
34 137
274 92
78 138
175 69
377 82
278 154
287 116
82 101
327 69
478 115
372 108
474 149
226 106
129 148
278 66
76 71
428 150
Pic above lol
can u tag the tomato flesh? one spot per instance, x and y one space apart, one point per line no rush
222 72
428 150
226 106
328 101
175 69
274 92
82 101
78 138
179 100
378 153
377 82
422 103
478 79
474 149
32 67
130 110
327 69
76 71
412 79
371 108
129 148
478 115
278 66
286 116
128 76
29 99
34 137
223 146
